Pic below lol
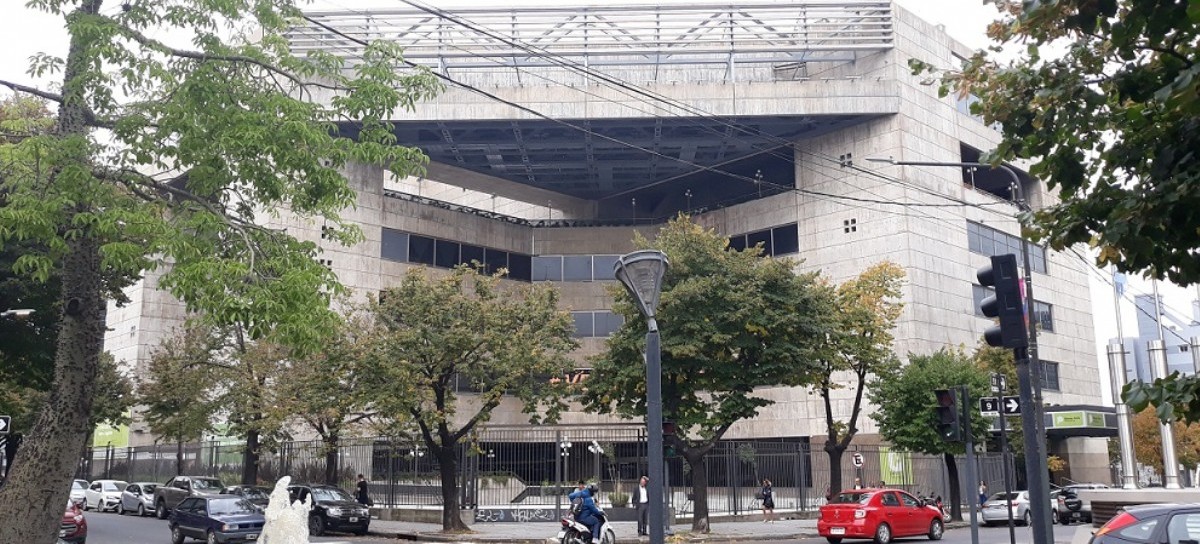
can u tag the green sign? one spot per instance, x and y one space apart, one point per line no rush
1068 419
1095 419
108 435
895 467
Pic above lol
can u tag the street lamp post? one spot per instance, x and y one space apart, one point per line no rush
1029 368
642 274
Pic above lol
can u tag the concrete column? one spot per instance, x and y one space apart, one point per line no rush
1195 349
1158 366
1116 363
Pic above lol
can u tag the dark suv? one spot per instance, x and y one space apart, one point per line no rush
332 509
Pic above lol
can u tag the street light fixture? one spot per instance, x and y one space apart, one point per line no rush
641 272
1029 372
17 314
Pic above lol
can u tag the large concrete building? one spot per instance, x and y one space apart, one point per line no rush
574 127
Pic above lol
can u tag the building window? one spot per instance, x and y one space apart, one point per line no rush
1050 376
596 324
781 240
577 268
1042 311
404 247
988 241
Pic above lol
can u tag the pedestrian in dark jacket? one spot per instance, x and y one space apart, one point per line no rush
363 497
768 501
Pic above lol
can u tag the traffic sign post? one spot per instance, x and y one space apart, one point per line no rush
989 406
1012 406
999 383
857 459
5 424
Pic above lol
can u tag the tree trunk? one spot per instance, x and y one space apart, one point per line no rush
331 459
179 457
699 464
955 494
448 469
250 459
36 490
835 452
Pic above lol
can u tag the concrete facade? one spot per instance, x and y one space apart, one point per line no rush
849 214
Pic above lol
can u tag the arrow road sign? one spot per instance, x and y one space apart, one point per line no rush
5 423
989 405
1012 406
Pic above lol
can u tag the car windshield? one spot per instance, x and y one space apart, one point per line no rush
253 493
219 507
206 483
148 489
78 485
853 497
114 486
330 494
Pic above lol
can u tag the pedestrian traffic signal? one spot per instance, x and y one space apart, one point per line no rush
1006 304
947 412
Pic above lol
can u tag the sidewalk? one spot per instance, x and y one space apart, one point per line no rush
545 532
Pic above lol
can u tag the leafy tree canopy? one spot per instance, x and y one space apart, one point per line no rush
1113 123
906 416
1147 441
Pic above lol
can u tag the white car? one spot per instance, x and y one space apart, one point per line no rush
78 487
995 509
138 497
103 495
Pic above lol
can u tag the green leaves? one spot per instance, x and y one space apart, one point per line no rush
905 400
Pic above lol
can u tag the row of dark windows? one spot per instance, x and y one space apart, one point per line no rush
988 241
781 240
413 248
1043 313
574 267
596 324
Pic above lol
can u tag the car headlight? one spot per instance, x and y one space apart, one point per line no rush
334 511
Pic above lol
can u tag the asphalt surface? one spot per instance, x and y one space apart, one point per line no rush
109 528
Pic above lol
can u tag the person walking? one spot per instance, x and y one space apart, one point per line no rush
983 492
768 501
361 495
641 500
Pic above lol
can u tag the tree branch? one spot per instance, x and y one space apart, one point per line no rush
90 117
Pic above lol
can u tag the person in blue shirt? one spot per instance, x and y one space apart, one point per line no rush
588 513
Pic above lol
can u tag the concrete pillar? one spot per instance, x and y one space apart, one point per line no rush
1195 349
1158 365
1116 363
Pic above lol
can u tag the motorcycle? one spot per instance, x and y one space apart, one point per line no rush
574 532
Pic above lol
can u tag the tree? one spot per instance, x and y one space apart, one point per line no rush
326 389
1147 441
196 139
434 336
177 390
859 348
251 390
906 417
731 321
1112 123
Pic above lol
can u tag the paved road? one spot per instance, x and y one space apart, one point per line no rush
117 529
987 535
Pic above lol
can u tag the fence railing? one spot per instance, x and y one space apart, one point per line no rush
532 468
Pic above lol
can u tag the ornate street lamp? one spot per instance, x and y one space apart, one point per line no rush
641 272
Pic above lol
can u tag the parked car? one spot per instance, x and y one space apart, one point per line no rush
995 509
78 492
332 509
1159 523
138 497
73 527
170 494
878 514
1073 508
103 495
260 496
215 519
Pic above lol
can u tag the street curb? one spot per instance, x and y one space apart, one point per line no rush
683 536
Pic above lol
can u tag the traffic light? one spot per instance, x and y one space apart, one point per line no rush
948 425
1006 304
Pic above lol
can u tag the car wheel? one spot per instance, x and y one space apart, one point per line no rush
316 525
883 534
833 540
936 528
160 509
176 535
121 508
1026 519
141 510
86 507
212 537
1053 517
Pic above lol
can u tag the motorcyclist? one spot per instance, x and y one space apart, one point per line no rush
589 514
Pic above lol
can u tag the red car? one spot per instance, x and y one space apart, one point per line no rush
73 528
879 515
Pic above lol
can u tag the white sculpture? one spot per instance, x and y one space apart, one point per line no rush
287 522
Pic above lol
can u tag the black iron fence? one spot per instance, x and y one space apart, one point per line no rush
507 473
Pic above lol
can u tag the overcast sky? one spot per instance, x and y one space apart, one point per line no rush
25 32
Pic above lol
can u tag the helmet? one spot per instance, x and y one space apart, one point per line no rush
594 488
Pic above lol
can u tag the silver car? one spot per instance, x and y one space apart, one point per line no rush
78 487
995 510
138 497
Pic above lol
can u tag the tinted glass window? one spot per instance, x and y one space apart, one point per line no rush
133 489
239 505
602 267
889 499
420 249
606 323
737 243
495 259
547 269
853 497
149 488
786 239
761 237
446 254
1140 532
187 505
583 324
330 494
519 266
577 268
206 483
1183 528
394 246
471 254
909 500
78 485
